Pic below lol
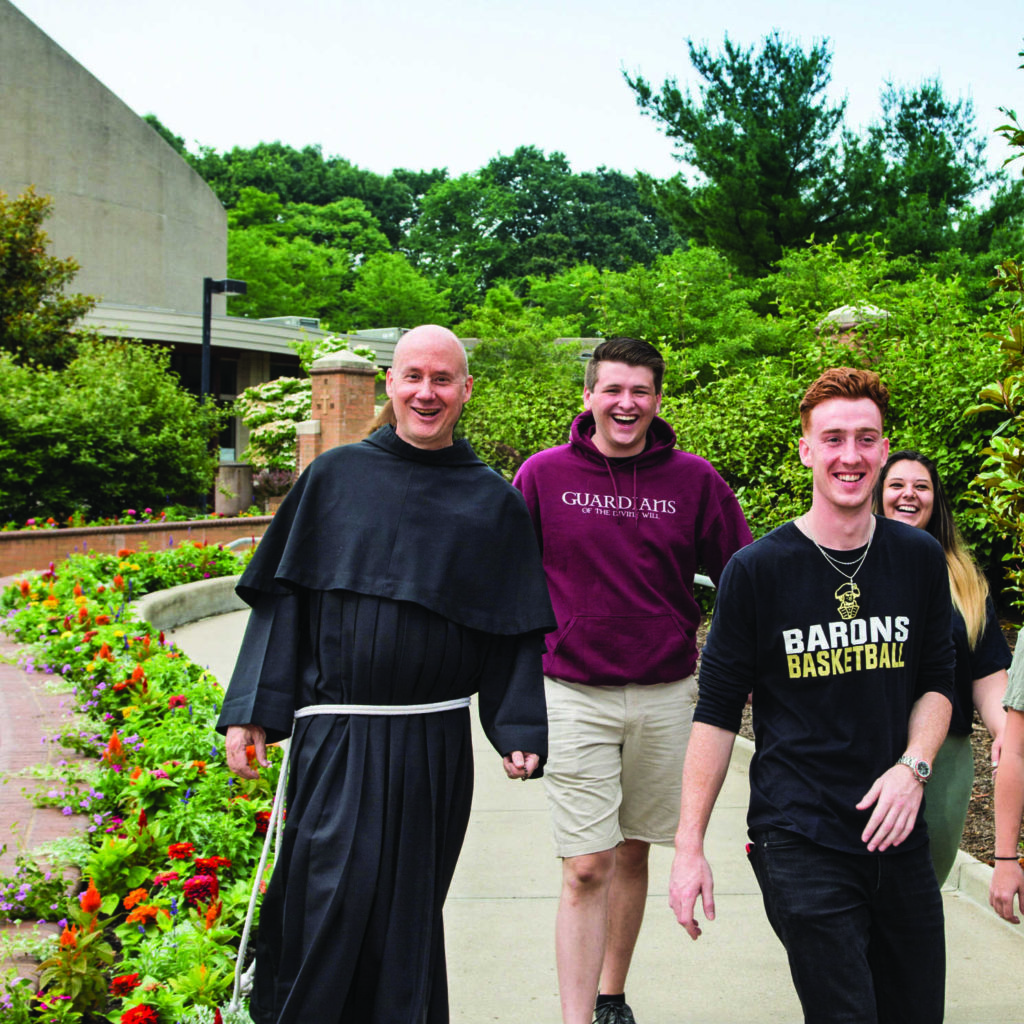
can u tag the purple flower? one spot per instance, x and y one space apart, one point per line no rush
66 811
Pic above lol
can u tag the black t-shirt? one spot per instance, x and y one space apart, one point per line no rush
989 655
834 676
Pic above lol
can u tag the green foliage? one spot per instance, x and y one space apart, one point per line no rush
528 214
272 409
298 258
776 169
765 144
526 387
37 316
388 291
113 429
173 838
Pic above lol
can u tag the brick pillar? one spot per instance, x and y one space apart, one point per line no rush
343 393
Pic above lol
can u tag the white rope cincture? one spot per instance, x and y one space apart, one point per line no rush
275 834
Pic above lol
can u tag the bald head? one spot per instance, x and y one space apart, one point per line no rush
439 336
428 385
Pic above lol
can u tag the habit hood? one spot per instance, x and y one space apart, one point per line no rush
434 527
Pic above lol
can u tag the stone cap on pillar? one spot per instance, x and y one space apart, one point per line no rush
343 362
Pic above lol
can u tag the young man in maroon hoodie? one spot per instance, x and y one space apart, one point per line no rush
624 520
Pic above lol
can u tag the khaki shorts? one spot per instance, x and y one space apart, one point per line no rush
615 762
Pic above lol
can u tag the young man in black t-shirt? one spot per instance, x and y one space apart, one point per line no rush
839 624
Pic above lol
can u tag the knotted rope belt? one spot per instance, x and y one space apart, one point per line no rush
243 982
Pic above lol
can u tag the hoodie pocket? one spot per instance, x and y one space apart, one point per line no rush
616 649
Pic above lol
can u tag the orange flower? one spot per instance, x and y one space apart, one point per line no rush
145 914
115 752
78 590
200 767
25 587
69 937
125 552
91 899
212 913
102 620
105 652
250 753
119 582
83 614
135 897
138 674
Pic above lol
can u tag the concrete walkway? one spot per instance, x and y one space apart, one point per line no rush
501 910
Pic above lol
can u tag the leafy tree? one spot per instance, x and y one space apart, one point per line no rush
37 316
388 291
528 215
928 163
766 146
306 176
297 257
526 387
176 142
111 431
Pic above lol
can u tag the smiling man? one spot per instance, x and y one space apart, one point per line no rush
399 576
624 521
838 623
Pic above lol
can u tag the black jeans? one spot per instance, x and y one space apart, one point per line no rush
864 933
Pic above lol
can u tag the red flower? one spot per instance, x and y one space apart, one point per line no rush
201 889
159 881
125 552
177 700
123 984
181 851
141 1014
209 865
262 822
102 620
217 1018
83 614
91 899
25 587
119 582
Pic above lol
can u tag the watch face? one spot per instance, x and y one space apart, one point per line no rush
923 769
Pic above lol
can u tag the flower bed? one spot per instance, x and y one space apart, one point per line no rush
170 839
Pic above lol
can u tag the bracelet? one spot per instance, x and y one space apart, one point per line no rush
1006 858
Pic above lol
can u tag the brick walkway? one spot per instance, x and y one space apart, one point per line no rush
28 712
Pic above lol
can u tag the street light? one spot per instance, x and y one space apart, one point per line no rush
211 287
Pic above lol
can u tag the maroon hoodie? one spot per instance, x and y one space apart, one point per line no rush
621 540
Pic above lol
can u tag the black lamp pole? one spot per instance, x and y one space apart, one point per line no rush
212 287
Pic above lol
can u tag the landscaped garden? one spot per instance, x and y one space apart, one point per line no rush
151 892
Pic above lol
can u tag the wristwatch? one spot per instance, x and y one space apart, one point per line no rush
918 765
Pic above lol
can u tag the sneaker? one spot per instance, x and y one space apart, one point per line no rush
614 1013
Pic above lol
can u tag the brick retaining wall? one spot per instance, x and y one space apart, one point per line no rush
22 550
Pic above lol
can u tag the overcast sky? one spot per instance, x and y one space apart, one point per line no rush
452 83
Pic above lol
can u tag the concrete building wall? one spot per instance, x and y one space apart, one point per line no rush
145 228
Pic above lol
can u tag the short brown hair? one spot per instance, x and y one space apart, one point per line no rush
844 382
629 351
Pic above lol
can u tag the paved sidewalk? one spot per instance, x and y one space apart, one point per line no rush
501 910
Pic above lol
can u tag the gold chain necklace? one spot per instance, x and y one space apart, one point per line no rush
847 593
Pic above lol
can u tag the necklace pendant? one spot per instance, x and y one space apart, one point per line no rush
847 596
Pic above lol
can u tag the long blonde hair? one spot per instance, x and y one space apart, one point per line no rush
967 583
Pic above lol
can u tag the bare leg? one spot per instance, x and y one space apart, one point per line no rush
627 900
580 931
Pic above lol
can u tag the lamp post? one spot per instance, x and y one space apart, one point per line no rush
212 287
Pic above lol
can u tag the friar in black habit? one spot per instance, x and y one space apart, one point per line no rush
400 576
